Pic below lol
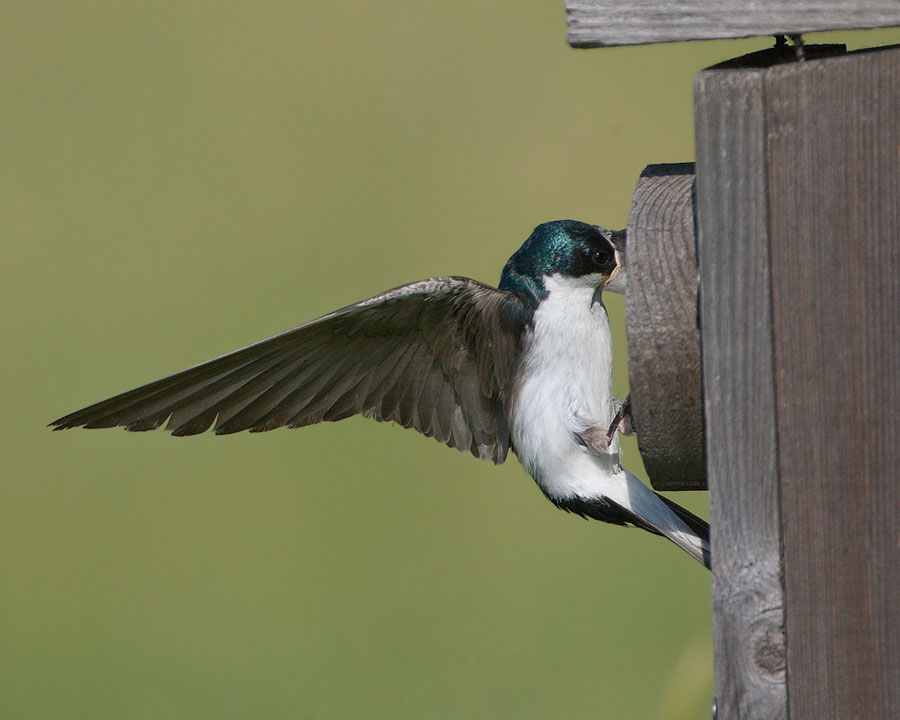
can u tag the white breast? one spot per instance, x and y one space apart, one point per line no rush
565 388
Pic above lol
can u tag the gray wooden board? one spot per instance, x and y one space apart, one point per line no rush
739 394
594 23
663 336
798 202
833 139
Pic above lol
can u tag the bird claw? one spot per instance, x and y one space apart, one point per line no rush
597 439
623 421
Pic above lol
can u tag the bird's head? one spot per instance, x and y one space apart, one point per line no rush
571 251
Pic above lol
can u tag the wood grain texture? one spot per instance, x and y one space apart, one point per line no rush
663 335
739 393
595 23
833 140
798 195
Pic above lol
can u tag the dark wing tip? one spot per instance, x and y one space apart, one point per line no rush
227 430
187 430
66 422
89 419
144 425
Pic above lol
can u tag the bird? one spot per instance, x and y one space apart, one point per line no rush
525 366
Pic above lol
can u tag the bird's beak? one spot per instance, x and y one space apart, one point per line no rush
616 282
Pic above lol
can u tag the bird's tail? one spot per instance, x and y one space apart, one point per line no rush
698 547
625 500
660 515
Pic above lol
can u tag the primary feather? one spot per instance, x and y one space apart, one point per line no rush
432 355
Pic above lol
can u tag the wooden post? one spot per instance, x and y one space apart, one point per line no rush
798 198
739 386
663 333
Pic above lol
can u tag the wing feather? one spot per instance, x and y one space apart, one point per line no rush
437 356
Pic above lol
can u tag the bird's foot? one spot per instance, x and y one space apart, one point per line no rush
623 421
598 438
594 438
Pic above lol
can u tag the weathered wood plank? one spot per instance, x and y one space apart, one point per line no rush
663 335
594 23
833 138
798 193
739 393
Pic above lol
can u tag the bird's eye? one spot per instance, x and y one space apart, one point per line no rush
600 257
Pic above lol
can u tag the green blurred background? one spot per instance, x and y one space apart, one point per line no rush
181 179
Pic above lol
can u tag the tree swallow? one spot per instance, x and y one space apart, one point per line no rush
526 366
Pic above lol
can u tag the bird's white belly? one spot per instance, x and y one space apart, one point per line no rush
566 388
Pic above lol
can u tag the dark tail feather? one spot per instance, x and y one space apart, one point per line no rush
698 525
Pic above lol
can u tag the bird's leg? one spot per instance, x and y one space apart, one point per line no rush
598 438
623 421
594 438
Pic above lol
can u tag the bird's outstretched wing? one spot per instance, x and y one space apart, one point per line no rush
434 355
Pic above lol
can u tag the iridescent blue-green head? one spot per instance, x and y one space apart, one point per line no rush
568 250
